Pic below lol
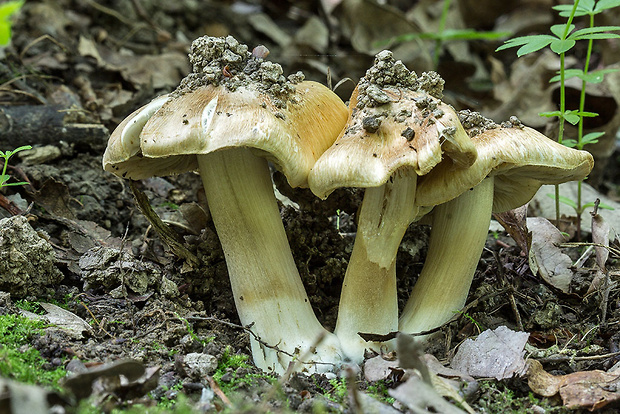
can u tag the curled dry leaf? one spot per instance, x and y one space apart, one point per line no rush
591 390
515 224
545 257
600 236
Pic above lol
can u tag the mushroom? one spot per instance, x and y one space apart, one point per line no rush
227 119
513 162
398 129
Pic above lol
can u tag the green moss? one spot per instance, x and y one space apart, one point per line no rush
379 390
496 397
231 362
18 360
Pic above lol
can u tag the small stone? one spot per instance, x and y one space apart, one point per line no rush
408 133
371 123
377 95
198 365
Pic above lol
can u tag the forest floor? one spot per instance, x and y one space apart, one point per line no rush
89 291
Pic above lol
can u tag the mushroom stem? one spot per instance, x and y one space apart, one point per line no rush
368 301
268 291
458 235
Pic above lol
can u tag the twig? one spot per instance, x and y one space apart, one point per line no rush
260 341
172 240
564 358
218 391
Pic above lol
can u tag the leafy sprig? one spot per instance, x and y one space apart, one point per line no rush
4 177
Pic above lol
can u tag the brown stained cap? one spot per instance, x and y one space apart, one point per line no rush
413 129
519 158
164 137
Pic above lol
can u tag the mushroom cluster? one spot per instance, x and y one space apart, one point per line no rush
414 154
228 118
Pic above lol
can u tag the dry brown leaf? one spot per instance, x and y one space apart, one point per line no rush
514 222
419 397
586 389
600 236
546 258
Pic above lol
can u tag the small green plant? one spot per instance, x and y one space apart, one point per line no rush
4 177
7 10
562 39
444 35
472 320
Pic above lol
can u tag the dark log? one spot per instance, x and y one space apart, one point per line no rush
47 125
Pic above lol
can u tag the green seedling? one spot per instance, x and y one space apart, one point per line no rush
7 10
444 35
562 39
4 177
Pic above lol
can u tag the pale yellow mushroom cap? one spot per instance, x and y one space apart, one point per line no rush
413 130
520 159
164 137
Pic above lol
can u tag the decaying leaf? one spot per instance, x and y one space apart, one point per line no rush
495 353
586 389
67 321
81 384
546 258
18 398
421 397
600 236
515 224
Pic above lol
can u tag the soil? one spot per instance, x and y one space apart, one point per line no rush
75 236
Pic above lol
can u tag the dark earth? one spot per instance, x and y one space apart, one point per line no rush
74 236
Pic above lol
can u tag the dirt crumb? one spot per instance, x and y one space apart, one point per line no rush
387 73
474 123
225 61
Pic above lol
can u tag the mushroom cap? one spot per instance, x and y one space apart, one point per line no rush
412 130
164 136
520 159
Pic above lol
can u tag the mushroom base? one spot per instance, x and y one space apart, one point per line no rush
268 291
458 235
368 302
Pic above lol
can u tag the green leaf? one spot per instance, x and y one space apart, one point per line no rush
5 33
560 30
570 143
566 10
550 114
585 114
447 35
562 46
597 76
568 73
600 205
597 36
571 117
9 8
12 184
534 46
595 29
606 4
564 200
591 138
3 179
525 40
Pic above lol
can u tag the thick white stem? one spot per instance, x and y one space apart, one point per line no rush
368 302
266 285
458 235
